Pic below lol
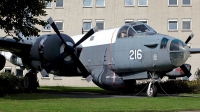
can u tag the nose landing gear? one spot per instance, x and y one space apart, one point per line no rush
152 89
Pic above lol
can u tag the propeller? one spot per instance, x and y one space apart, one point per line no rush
69 50
183 67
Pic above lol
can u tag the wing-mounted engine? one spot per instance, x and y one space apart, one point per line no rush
49 47
12 58
57 52
2 61
109 80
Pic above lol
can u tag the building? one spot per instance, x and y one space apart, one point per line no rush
178 18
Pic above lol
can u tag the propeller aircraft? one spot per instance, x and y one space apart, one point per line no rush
113 59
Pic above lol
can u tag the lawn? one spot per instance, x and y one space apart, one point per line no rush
48 102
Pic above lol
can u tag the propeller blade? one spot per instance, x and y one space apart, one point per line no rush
189 38
80 65
185 70
69 50
87 35
53 25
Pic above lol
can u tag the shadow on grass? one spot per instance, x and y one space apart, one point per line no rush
60 92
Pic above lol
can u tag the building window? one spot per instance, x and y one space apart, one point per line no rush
145 21
87 24
142 2
173 2
49 5
100 24
59 25
129 2
129 21
173 25
186 24
100 3
56 77
87 3
19 72
186 2
8 69
47 27
59 3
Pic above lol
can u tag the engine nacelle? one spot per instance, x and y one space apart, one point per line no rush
48 47
2 61
12 58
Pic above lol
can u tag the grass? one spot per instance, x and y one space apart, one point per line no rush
45 102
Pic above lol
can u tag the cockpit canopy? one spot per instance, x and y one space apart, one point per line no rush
130 29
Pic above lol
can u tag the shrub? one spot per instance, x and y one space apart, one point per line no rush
9 83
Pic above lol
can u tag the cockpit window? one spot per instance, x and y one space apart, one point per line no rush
141 28
163 43
131 33
122 32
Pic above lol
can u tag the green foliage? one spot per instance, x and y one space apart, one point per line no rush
10 83
21 15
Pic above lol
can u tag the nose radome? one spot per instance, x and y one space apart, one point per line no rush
179 52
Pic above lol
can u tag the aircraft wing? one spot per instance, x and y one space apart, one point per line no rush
18 48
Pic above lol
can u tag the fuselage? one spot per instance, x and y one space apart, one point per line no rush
138 51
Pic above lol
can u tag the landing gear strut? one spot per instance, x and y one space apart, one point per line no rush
30 82
152 89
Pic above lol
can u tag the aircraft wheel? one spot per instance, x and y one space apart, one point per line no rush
152 91
30 82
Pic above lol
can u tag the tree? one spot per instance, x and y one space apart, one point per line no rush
22 15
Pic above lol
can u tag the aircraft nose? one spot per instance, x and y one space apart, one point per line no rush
179 52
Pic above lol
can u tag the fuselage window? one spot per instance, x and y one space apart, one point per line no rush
163 44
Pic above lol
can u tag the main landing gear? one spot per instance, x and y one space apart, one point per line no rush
30 81
152 89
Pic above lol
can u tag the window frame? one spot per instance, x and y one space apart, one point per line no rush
100 20
46 30
142 5
8 68
103 5
86 20
62 24
187 4
141 20
50 6
176 25
184 19
173 5
128 20
18 68
129 5
88 6
59 7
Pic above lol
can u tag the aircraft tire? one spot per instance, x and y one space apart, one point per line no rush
30 82
153 91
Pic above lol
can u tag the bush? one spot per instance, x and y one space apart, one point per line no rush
9 84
